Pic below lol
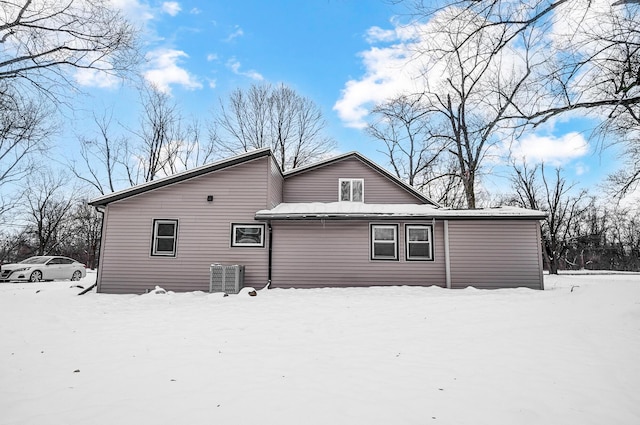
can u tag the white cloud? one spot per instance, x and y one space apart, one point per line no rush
164 70
550 149
195 11
212 57
398 66
95 78
213 83
234 65
171 7
134 10
238 32
375 34
582 168
394 69
389 72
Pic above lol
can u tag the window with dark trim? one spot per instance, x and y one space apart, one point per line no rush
419 241
165 235
351 190
247 235
384 241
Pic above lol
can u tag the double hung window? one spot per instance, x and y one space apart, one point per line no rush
419 243
384 242
165 234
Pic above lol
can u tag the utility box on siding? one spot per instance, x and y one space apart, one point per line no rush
227 279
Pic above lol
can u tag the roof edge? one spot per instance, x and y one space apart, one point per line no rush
333 216
356 211
102 201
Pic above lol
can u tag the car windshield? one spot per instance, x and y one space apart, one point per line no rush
35 260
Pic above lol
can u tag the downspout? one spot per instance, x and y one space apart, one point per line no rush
447 261
100 210
539 236
270 254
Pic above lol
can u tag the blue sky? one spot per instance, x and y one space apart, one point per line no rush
339 53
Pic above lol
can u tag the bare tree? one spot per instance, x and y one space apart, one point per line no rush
590 60
11 242
101 156
402 125
83 239
167 143
472 79
25 128
159 124
535 190
189 149
276 117
47 48
46 211
45 43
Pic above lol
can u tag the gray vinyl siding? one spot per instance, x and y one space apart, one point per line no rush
309 254
495 254
321 184
203 232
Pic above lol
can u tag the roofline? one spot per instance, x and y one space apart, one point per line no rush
178 177
368 162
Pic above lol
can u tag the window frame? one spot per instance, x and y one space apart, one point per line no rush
341 180
372 242
235 244
407 242
155 237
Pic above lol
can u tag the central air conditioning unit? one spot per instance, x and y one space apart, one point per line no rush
227 279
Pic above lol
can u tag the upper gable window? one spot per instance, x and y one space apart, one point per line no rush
351 190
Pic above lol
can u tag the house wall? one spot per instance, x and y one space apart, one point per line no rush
495 254
204 231
309 254
276 184
321 184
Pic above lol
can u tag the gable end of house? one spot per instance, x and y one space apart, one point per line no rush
372 165
179 177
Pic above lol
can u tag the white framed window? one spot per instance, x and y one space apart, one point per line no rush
247 235
165 235
351 190
384 241
419 241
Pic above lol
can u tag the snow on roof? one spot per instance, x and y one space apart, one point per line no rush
358 210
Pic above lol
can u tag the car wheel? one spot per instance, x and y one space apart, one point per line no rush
35 276
77 275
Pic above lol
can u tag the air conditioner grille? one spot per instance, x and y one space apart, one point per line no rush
227 279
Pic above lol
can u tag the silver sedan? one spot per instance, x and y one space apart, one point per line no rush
39 268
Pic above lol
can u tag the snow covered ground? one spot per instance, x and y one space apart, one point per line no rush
395 355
